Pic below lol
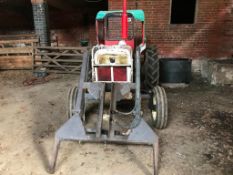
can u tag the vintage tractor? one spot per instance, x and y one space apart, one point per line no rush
111 77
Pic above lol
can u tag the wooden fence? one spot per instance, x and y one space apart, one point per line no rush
58 59
16 51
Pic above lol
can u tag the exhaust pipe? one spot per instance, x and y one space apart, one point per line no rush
124 21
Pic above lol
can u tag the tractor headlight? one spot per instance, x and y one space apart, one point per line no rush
108 59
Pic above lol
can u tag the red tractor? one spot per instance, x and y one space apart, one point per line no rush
111 74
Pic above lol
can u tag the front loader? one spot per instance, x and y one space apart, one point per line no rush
118 72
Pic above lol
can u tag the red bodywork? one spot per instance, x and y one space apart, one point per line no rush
124 31
115 42
119 73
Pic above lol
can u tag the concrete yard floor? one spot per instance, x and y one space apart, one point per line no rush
198 140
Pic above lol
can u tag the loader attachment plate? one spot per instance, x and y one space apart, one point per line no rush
73 130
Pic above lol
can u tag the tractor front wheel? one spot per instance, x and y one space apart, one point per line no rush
72 96
159 108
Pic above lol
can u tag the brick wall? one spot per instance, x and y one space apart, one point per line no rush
69 27
211 36
72 36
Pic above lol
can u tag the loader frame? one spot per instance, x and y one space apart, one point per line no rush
140 133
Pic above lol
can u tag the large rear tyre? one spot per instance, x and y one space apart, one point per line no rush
72 97
151 69
159 108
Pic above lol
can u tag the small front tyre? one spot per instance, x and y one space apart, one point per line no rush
159 108
72 97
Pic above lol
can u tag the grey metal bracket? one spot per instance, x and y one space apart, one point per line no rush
73 130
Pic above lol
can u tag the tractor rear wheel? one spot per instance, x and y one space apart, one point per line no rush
159 108
151 69
72 96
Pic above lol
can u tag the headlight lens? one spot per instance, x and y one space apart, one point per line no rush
108 59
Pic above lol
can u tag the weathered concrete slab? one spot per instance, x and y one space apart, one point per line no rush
218 72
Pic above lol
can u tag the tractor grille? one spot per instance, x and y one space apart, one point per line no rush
112 68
